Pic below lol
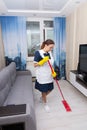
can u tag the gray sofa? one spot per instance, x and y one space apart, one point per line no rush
15 89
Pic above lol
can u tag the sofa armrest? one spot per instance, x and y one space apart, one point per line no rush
26 72
27 118
12 109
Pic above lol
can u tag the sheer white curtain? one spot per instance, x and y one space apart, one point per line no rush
14 39
60 40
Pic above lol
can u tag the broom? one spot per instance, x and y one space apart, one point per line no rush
66 105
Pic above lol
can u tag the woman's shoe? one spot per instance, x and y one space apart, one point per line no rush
46 107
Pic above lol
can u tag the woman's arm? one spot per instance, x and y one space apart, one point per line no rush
36 64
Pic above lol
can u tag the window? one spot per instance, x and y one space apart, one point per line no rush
33 37
48 30
37 32
48 24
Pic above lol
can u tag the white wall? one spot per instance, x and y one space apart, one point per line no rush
76 30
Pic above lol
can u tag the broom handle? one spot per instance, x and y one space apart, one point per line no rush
59 89
50 66
55 79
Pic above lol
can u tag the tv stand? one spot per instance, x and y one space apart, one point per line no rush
80 80
77 80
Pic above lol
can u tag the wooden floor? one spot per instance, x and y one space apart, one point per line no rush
58 118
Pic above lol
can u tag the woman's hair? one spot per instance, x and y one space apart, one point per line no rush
47 42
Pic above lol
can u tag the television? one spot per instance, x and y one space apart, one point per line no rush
83 59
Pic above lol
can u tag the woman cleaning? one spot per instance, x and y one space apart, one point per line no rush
44 76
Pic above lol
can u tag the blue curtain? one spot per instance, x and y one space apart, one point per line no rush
14 39
60 50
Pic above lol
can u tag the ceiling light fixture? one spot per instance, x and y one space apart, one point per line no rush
34 11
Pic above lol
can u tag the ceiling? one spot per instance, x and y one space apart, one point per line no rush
39 8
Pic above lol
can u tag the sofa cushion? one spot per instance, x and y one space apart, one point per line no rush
21 92
5 85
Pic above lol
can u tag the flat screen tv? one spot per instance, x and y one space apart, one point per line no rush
83 59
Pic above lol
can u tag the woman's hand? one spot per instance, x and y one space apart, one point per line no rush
36 64
44 60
